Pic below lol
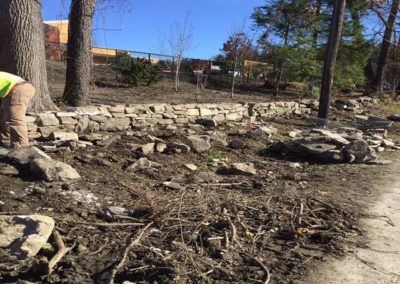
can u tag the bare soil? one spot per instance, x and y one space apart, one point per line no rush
273 227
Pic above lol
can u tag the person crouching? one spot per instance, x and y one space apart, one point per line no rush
15 95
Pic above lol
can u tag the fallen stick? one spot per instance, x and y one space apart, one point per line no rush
62 250
126 252
104 224
268 278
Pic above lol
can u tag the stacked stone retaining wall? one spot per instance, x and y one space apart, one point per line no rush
124 117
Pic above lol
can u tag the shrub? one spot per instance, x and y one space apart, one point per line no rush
137 71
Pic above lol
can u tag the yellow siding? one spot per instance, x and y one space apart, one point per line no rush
104 51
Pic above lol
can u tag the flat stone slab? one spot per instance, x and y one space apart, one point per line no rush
21 238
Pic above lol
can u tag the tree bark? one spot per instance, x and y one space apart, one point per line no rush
378 82
330 60
22 50
79 55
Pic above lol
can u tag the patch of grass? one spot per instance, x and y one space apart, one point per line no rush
393 107
216 154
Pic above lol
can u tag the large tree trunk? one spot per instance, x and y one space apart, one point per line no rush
79 55
378 82
22 49
330 60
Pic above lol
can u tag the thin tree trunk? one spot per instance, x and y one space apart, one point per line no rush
378 82
233 79
22 50
330 59
280 66
79 55
178 67
317 27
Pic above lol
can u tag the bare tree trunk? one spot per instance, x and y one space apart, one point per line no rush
280 66
79 55
233 78
317 28
377 83
22 49
178 67
330 59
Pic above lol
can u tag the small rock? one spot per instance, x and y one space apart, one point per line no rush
178 148
191 167
295 165
218 137
207 122
142 164
263 133
239 169
161 147
294 133
147 148
237 144
64 136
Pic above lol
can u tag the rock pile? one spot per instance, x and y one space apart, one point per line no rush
341 145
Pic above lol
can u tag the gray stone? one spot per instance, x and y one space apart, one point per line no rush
21 238
67 120
263 133
142 164
207 122
83 125
47 119
116 124
178 148
64 136
332 136
237 144
218 137
161 147
246 169
317 148
357 151
198 143
23 156
52 170
233 116
147 148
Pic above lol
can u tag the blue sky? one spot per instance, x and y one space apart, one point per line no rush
142 24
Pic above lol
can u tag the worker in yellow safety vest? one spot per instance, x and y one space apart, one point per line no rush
15 94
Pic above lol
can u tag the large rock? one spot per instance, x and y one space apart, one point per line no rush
23 156
199 143
52 170
21 238
358 152
47 119
332 136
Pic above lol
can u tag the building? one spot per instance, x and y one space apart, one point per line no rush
56 39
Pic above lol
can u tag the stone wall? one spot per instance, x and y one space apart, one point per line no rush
124 117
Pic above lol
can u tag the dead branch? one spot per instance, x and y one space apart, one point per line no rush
126 252
62 250
104 224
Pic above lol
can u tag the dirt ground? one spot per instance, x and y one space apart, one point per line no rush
274 227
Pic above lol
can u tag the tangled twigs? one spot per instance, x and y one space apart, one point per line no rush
126 252
62 250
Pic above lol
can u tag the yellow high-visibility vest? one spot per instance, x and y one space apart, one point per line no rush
7 82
